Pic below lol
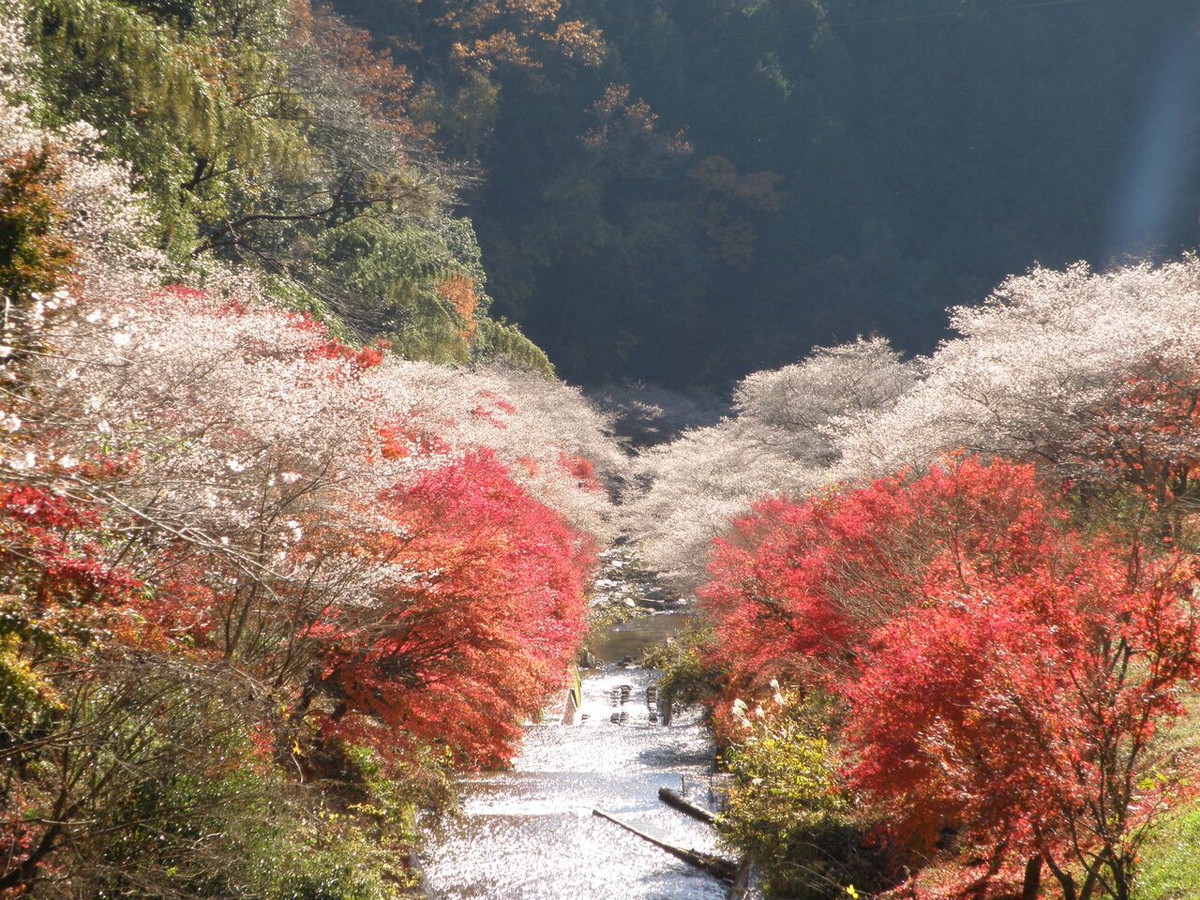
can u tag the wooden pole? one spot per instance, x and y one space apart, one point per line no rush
714 865
673 798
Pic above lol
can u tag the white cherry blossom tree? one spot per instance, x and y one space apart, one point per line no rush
782 439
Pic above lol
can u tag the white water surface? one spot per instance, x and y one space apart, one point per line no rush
529 834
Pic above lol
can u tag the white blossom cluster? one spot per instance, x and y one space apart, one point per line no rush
231 413
105 225
14 48
107 221
784 436
1038 367
1042 370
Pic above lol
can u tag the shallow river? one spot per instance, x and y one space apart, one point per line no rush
529 834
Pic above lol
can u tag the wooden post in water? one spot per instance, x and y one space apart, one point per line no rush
714 865
574 697
676 799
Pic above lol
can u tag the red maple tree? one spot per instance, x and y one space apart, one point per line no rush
1022 713
480 622
798 586
1004 675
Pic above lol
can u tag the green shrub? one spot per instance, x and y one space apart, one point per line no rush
687 677
787 810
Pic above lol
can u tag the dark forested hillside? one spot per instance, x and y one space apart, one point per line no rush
724 183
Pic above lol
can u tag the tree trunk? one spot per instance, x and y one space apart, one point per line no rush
1064 878
1033 879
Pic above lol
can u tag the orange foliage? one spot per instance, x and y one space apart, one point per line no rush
579 43
400 440
627 134
35 256
490 33
731 202
382 86
459 291
502 47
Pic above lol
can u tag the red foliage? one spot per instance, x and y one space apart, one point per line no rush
1021 711
49 553
480 625
184 608
358 359
582 470
60 565
1004 675
800 585
108 466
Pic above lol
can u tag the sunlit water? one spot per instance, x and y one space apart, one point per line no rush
632 637
530 834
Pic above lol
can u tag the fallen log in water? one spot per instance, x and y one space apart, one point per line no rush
673 798
714 865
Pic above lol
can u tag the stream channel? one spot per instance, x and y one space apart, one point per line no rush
529 833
